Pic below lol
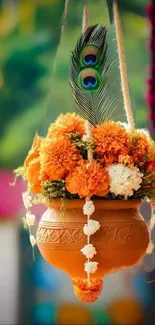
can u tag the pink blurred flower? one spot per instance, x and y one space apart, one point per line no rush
11 203
150 97
10 196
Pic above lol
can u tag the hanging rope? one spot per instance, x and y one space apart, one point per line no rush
123 69
62 30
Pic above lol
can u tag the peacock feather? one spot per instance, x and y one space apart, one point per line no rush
89 76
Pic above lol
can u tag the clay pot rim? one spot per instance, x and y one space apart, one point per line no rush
99 204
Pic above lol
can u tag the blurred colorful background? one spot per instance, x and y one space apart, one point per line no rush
36 42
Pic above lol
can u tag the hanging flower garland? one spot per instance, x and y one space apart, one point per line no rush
89 250
150 247
89 229
30 218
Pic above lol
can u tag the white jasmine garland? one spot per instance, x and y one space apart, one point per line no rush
150 248
123 180
89 251
152 222
32 240
91 227
90 267
27 200
30 219
24 222
88 208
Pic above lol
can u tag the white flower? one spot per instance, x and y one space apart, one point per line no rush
145 131
27 200
126 126
91 267
24 223
91 227
150 248
30 219
152 222
124 180
88 208
89 251
32 240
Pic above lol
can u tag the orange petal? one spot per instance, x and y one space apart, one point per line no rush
87 292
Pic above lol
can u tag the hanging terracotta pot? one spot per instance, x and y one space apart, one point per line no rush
120 242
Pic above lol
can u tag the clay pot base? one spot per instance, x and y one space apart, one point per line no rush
87 291
120 242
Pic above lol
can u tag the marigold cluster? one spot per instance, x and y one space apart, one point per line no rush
139 148
33 174
151 160
34 151
111 140
126 160
87 180
87 292
58 158
32 166
62 157
67 124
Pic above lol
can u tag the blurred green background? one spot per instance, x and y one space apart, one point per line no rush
31 93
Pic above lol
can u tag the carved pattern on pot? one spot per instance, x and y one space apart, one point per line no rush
105 235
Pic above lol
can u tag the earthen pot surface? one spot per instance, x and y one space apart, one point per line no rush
120 242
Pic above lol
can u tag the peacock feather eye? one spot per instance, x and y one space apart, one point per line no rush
89 79
90 56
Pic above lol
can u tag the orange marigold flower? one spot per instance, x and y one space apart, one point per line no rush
87 291
151 161
87 180
140 147
34 151
58 157
126 160
111 141
32 176
65 124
